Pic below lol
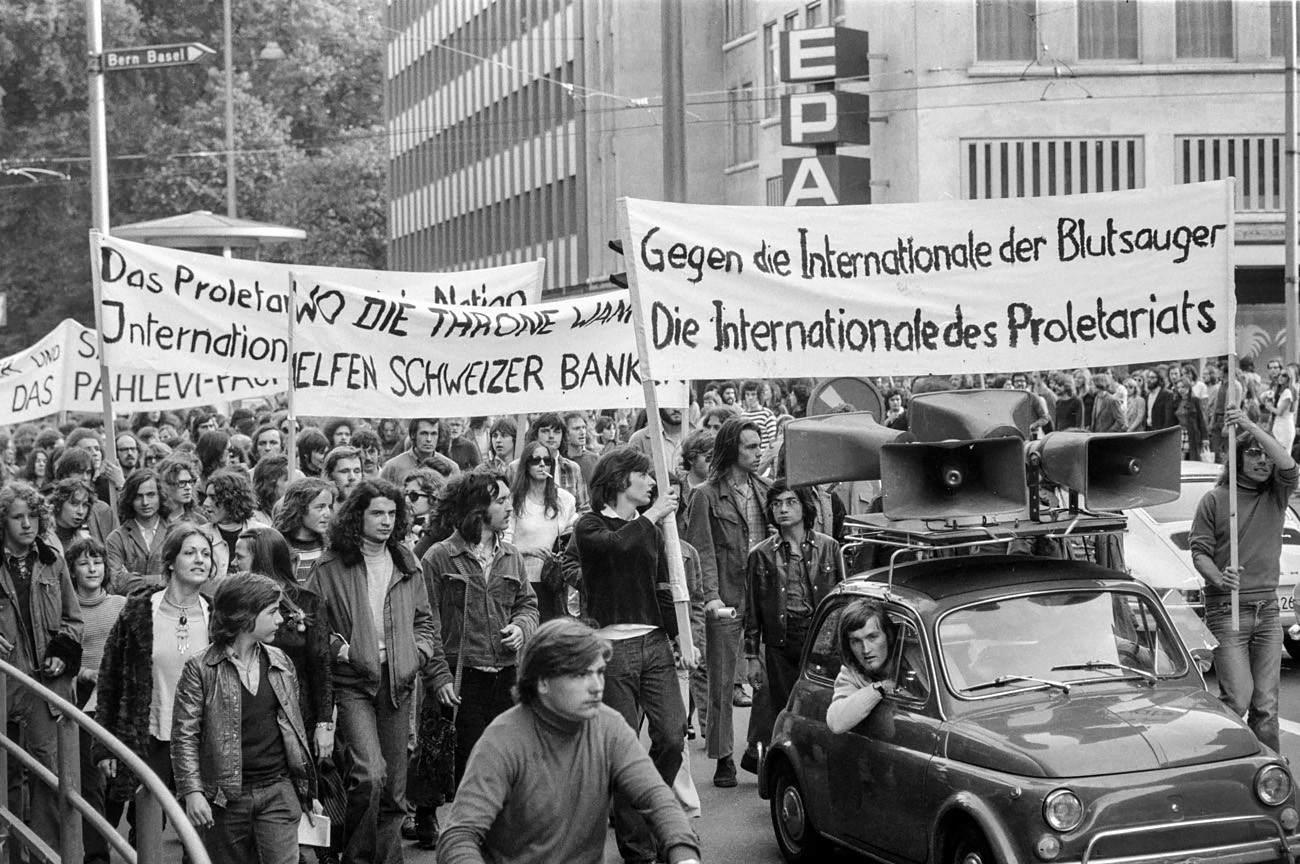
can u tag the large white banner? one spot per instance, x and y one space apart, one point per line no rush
61 373
172 309
358 352
953 286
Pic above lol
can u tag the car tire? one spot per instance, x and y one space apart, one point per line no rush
972 848
795 835
1292 646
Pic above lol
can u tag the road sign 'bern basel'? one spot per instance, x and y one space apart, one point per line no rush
155 56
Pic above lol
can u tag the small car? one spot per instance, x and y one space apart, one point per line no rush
1044 710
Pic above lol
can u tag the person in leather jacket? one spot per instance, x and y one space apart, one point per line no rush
239 747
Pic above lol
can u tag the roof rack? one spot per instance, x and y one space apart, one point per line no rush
927 537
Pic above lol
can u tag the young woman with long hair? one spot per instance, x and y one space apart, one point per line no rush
540 512
303 517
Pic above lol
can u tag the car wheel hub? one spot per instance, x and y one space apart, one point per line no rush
792 814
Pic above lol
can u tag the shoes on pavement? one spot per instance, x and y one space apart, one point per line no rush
749 761
740 698
725 775
408 828
427 830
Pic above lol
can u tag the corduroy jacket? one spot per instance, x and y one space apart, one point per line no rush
409 628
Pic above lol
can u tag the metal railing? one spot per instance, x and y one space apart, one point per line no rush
151 801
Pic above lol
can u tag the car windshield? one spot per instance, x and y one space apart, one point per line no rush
1056 640
1183 509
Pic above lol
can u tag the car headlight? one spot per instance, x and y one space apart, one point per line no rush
1273 785
1063 811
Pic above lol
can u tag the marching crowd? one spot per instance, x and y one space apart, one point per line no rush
474 611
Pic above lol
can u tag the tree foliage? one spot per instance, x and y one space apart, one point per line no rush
308 136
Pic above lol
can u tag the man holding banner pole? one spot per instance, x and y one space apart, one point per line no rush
1241 607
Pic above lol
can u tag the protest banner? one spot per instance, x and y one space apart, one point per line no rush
357 352
61 372
173 309
943 287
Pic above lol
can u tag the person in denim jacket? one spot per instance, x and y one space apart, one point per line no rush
475 565
239 747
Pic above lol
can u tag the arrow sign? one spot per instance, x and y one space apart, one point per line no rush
154 56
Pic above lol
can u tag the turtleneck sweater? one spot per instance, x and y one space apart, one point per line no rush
1261 513
537 790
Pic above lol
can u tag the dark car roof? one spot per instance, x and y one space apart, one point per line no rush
945 577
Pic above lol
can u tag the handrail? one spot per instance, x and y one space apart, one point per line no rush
151 782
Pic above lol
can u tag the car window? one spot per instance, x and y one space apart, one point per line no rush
824 655
1061 636
908 668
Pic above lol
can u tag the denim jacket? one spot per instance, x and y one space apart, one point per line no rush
454 576
716 527
207 749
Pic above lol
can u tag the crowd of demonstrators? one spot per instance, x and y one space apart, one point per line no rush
411 562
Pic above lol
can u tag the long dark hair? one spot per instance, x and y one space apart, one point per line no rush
273 557
807 500
345 531
126 500
610 476
267 475
237 603
211 449
310 441
726 446
232 491
523 480
464 503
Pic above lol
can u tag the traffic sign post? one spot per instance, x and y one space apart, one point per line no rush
153 56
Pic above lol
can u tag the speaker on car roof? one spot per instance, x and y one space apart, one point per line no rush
948 479
1113 470
966 414
833 447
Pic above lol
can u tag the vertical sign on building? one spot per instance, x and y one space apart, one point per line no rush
825 117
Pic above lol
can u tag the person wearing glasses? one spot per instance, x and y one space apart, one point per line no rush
180 480
1248 659
541 511
423 486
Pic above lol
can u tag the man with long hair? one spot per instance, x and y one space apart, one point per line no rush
486 610
624 563
724 522
40 633
377 610
1248 658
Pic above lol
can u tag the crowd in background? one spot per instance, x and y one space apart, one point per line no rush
114 573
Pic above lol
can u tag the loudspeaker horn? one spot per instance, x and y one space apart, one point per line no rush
833 447
966 414
1114 470
948 479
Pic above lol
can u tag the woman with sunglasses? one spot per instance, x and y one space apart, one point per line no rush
422 487
540 512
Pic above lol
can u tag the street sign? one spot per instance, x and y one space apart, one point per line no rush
153 56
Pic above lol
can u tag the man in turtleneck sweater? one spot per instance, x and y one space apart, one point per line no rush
1248 659
538 784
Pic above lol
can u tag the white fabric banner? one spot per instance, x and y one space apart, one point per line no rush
953 286
171 309
358 352
61 373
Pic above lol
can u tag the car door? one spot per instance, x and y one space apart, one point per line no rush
807 714
877 770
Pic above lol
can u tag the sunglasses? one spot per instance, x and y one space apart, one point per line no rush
1256 453
537 460
416 496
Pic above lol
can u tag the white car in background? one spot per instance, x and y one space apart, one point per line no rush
1156 549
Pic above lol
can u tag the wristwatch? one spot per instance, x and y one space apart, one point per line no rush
879 688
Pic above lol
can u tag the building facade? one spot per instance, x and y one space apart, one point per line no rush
517 124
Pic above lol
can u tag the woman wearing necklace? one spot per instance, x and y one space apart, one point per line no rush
134 549
143 658
540 512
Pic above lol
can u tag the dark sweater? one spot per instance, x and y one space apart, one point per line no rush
623 564
537 789
1260 516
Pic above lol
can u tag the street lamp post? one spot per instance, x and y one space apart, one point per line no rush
232 209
